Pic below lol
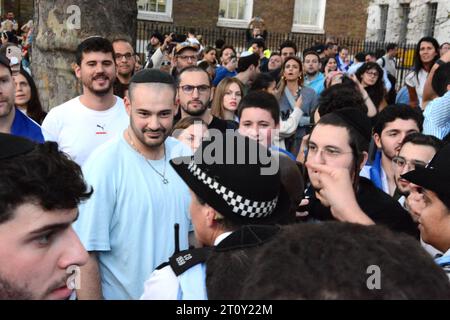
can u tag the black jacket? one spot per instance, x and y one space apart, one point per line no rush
379 206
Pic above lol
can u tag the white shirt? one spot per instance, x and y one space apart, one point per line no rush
437 117
163 284
365 172
79 130
417 82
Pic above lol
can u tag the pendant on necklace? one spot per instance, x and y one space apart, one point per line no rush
165 181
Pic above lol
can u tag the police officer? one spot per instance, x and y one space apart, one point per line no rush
236 201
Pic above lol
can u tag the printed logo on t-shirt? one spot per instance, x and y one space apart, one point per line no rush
101 129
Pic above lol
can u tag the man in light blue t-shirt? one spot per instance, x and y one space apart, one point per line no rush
128 224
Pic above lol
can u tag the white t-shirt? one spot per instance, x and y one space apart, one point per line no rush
79 130
417 82
129 220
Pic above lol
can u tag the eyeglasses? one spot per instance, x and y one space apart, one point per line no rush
190 89
372 73
165 63
327 152
192 58
127 56
401 162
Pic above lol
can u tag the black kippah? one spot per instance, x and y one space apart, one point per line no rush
152 76
12 146
357 119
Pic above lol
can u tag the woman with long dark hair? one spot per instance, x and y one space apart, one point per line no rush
370 75
27 98
290 90
426 54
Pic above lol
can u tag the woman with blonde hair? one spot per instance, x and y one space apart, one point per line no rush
227 96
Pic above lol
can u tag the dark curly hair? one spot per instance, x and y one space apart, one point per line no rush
397 111
377 91
333 260
339 96
45 177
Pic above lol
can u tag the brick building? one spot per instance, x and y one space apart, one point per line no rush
340 18
23 9
408 20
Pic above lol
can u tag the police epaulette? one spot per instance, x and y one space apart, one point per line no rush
162 265
184 260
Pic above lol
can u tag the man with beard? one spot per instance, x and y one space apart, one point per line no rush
314 79
417 150
12 120
194 97
82 124
125 63
138 196
40 189
394 123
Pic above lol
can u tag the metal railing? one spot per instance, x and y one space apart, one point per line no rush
237 38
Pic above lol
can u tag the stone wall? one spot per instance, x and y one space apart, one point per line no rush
417 20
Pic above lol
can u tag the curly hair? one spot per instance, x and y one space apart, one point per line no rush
334 260
339 96
45 177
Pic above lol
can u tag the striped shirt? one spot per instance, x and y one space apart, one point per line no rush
437 117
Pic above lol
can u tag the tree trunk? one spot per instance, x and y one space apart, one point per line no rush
60 25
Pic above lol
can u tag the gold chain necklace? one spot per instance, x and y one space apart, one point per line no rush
163 175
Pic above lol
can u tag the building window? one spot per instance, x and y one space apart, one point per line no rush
384 9
431 19
155 10
235 13
404 16
309 16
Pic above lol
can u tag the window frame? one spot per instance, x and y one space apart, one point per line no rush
318 28
157 16
237 23
430 25
382 31
405 11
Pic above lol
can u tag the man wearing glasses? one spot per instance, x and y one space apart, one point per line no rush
125 61
337 150
417 151
194 96
185 55
394 123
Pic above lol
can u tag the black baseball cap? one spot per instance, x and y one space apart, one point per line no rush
435 176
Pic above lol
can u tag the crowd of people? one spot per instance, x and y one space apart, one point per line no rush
207 173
